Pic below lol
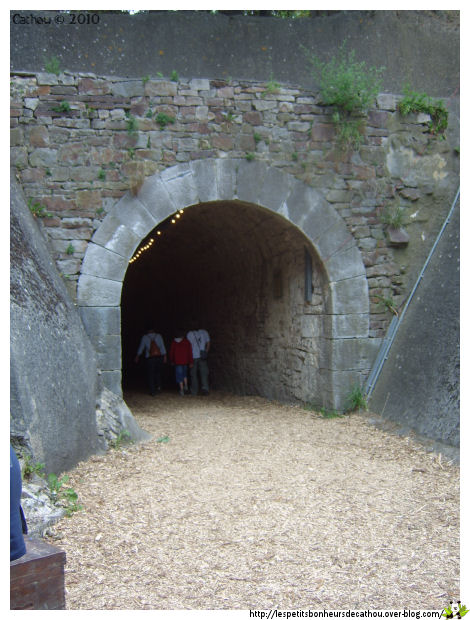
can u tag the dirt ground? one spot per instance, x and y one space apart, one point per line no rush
242 503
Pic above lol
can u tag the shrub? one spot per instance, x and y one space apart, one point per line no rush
350 87
346 84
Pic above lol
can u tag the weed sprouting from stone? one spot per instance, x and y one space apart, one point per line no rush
123 437
30 468
52 65
323 411
37 209
356 400
329 413
66 497
414 102
272 87
131 124
163 119
63 107
388 303
393 216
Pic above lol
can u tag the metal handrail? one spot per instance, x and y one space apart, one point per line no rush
395 323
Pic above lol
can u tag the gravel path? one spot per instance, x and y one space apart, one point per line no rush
239 503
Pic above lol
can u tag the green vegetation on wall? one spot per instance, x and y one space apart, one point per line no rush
413 103
350 88
163 119
52 65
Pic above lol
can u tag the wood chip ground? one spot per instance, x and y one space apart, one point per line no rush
242 503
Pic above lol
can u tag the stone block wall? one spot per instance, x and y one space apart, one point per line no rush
79 142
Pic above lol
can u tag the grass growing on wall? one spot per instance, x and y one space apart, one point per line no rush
414 102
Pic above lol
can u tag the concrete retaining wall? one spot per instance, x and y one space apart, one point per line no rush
419 386
418 47
54 379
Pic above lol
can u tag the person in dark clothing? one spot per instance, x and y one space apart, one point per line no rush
17 521
153 348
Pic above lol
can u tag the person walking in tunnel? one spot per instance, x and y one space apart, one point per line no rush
153 347
181 357
200 343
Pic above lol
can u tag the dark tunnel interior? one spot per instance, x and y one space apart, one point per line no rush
235 269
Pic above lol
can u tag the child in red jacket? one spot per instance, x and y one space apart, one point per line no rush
181 356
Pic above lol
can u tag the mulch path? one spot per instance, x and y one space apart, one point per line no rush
242 503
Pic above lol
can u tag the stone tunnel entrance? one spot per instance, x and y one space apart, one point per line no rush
257 257
251 279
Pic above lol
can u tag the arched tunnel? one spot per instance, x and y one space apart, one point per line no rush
249 277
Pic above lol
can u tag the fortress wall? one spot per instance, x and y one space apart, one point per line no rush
76 163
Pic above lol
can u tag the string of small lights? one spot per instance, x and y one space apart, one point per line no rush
143 248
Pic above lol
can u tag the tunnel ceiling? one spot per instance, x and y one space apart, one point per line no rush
218 226
219 236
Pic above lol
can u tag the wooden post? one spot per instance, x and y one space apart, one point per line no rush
37 578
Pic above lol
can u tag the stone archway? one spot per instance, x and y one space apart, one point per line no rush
349 352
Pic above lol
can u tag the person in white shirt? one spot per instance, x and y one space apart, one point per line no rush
200 343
